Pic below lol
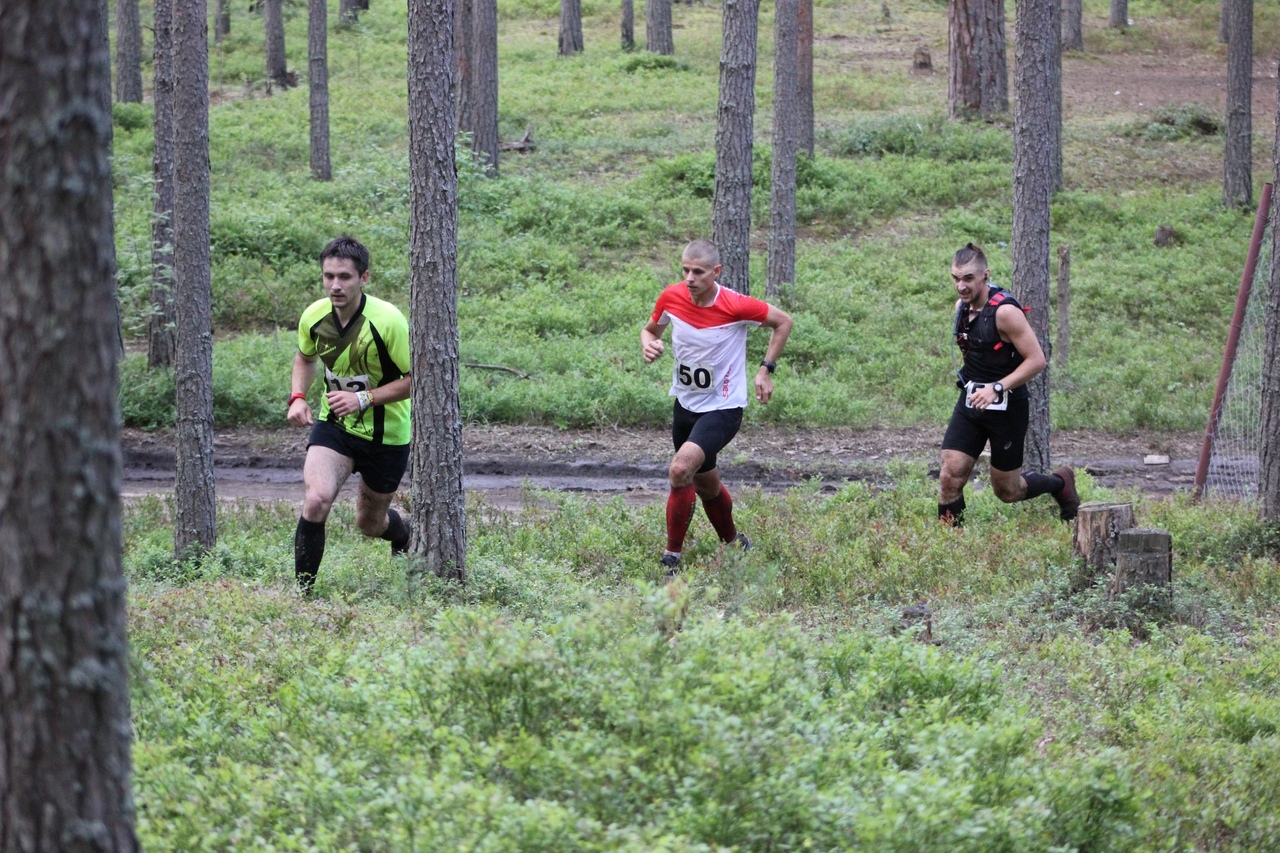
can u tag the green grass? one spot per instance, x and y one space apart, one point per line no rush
561 258
562 700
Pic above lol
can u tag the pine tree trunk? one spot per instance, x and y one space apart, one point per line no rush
318 83
570 27
628 25
1119 14
439 522
1038 37
1224 27
978 75
1269 455
65 760
476 45
347 12
273 27
657 27
731 202
128 52
805 80
1237 183
194 524
221 21
163 320
1072 25
781 268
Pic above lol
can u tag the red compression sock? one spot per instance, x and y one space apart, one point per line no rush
720 510
679 514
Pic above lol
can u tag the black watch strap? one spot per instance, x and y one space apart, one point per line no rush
769 365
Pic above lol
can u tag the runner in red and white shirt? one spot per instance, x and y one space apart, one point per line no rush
709 326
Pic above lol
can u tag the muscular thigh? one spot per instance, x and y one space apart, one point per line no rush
324 472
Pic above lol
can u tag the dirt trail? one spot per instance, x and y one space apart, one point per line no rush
501 461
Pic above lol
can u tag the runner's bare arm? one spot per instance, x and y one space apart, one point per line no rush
304 373
780 322
651 345
345 403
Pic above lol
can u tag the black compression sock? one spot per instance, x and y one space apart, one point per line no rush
952 513
397 533
308 549
1042 484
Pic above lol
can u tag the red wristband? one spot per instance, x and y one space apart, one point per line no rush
294 396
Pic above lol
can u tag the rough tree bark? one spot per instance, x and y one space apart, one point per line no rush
163 319
221 21
1073 24
657 27
478 81
1269 473
781 267
318 83
628 25
977 72
1224 10
194 526
273 28
439 522
128 52
735 117
1038 37
804 96
1237 180
347 12
570 27
64 702
1119 18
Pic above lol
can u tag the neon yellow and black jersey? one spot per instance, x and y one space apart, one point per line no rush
370 352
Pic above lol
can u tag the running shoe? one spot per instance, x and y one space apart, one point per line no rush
1068 499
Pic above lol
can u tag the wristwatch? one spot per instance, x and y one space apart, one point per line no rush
998 387
769 365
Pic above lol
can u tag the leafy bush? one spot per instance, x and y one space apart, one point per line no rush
1175 122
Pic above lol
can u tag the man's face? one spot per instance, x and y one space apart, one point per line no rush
970 281
699 276
342 284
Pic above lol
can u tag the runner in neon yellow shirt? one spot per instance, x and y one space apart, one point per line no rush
363 344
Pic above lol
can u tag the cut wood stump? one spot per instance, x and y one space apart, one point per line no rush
1144 557
1098 526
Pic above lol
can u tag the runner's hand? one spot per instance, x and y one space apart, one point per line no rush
652 349
300 413
764 385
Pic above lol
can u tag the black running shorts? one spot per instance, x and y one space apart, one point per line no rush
711 431
380 465
971 429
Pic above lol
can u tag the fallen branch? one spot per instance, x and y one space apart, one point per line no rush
504 369
524 144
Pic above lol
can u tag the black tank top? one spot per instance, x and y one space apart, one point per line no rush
987 358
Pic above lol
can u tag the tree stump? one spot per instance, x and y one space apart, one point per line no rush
1144 557
1094 541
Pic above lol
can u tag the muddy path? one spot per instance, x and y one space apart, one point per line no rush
503 462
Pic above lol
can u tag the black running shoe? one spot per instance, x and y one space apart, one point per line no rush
743 541
671 563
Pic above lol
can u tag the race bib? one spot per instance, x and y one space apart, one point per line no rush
1000 405
345 383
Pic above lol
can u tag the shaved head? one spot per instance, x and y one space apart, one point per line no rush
702 250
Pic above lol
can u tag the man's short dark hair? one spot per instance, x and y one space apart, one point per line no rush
348 248
971 253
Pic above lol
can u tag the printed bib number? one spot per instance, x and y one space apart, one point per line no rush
694 376
345 383
1001 404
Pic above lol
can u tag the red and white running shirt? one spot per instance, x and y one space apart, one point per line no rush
710 346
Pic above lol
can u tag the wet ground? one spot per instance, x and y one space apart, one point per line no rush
503 462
